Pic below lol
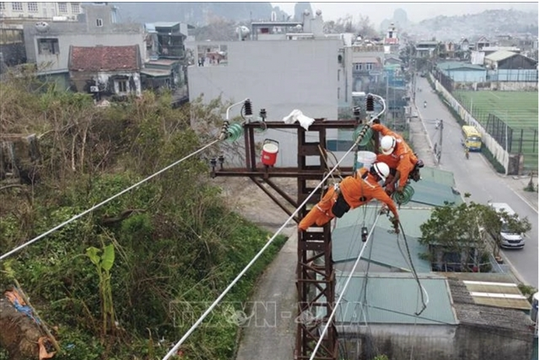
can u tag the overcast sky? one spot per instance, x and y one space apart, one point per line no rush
416 11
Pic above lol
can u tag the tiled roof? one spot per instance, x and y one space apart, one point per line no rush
104 58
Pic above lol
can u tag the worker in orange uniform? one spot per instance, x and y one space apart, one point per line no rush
399 157
352 192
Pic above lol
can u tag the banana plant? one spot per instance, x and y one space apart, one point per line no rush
104 260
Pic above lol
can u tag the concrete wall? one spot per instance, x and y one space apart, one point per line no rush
279 76
79 34
515 86
441 342
466 75
106 82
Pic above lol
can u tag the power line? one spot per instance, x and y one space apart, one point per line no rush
175 348
104 202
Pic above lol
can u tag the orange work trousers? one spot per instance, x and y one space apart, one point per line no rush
321 213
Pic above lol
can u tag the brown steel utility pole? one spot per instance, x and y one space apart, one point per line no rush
315 269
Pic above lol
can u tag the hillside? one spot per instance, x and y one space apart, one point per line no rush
487 23
197 14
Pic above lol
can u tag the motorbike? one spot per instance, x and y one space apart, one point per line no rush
425 104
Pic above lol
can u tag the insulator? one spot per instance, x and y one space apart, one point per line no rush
262 114
370 105
356 111
247 108
234 132
213 162
366 140
404 197
364 234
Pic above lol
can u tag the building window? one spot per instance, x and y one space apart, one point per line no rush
32 7
369 66
75 9
62 8
2 6
16 6
122 86
99 22
48 46
357 66
338 75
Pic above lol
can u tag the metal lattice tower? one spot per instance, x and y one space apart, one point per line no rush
315 269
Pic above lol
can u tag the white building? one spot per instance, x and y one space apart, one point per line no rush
280 67
39 10
47 43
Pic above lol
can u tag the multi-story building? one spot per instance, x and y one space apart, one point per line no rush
282 67
15 12
47 43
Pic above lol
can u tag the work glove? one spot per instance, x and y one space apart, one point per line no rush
395 223
389 189
376 121
400 189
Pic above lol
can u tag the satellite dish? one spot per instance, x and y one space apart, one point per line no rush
318 12
306 12
42 26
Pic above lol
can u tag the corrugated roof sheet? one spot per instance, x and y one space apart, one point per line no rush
385 251
500 55
435 188
439 176
394 299
156 72
164 24
456 65
104 58
433 193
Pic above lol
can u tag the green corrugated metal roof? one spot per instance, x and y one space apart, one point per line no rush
439 176
346 241
394 299
433 190
454 65
433 193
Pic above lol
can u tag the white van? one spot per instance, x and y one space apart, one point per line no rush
508 240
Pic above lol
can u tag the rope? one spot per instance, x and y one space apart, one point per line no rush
175 348
336 306
104 202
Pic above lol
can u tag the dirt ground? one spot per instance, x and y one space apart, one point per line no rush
254 204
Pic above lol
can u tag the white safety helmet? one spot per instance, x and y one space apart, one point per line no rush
381 169
388 143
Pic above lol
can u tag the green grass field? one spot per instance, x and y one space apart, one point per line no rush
519 109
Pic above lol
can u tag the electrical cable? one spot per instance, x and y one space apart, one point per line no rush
336 306
424 302
105 201
175 348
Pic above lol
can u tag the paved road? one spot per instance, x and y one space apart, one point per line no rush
477 177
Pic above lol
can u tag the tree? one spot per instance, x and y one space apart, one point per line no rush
463 228
365 27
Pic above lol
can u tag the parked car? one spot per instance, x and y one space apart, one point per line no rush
507 239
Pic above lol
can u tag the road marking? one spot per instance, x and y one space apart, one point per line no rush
492 93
